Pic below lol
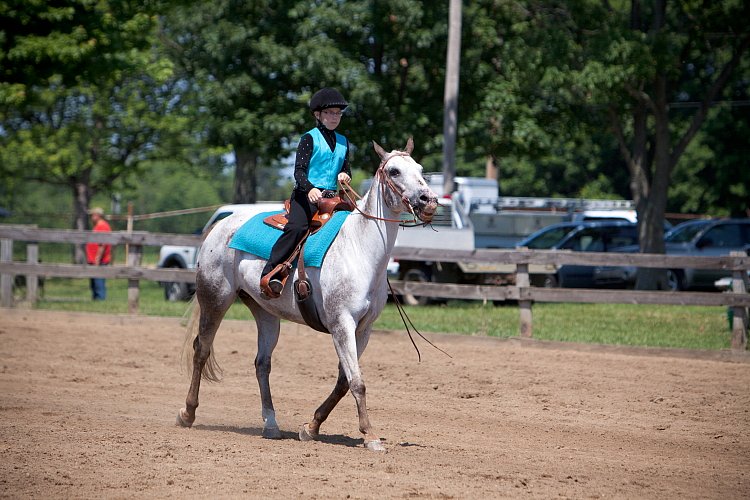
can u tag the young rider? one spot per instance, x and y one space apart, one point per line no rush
322 160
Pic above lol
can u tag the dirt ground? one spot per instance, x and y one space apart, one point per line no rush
89 405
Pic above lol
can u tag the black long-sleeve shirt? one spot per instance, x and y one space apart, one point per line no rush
304 153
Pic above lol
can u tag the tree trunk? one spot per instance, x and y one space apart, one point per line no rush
651 215
245 180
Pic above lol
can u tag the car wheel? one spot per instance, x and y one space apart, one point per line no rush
675 280
550 281
415 274
175 292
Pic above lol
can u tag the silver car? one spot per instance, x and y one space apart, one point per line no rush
697 238
707 238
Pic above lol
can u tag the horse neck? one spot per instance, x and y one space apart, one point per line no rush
373 229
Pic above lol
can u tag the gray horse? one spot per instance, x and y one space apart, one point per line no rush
350 288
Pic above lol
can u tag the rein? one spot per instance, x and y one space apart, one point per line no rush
405 318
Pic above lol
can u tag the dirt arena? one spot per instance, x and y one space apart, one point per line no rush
89 406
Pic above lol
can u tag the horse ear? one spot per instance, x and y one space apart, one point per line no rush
409 146
380 151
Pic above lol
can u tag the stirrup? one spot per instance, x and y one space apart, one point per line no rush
271 286
268 291
276 286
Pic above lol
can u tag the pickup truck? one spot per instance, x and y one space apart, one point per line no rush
171 256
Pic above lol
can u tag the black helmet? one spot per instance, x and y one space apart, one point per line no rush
327 98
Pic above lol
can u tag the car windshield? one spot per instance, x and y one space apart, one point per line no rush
684 234
547 239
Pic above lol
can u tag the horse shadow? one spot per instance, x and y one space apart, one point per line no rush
335 439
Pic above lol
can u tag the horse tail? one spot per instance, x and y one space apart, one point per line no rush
211 370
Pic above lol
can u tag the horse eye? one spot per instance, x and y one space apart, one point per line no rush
395 172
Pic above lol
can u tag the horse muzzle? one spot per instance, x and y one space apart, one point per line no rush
427 207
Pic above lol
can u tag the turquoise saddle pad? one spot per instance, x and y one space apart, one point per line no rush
257 237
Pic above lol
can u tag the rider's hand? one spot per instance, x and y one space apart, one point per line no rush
314 195
344 177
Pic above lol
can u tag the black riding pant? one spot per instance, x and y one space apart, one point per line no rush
299 217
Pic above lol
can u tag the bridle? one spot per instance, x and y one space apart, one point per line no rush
385 183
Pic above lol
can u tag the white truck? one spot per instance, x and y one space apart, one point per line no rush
475 216
184 257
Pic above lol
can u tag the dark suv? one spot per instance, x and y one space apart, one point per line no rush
586 236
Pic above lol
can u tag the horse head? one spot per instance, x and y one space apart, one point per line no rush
405 187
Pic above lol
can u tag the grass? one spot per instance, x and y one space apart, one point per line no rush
688 327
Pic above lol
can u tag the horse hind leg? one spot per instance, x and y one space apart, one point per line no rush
268 336
206 321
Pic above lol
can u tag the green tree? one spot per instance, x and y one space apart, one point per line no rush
658 54
95 106
239 59
67 42
255 65
557 73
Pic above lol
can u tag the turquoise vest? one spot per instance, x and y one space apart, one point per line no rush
325 164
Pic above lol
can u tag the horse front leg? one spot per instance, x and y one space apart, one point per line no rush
349 348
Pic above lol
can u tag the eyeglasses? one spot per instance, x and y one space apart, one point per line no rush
333 113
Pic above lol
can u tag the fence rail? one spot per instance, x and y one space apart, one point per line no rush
517 260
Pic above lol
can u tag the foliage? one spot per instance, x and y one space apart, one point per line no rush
253 80
556 94
68 42
96 105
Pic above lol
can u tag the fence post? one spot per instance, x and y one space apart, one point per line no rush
524 306
135 256
32 280
739 314
6 280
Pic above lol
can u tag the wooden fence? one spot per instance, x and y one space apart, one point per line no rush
520 260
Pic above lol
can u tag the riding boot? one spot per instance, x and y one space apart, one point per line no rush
272 284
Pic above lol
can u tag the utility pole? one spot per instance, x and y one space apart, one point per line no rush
450 101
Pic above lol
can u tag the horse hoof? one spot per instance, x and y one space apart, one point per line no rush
183 420
305 434
375 445
271 433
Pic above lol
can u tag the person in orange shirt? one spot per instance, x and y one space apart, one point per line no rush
98 254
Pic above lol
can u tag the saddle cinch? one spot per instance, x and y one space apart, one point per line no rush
302 287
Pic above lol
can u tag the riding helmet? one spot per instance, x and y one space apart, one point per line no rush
327 98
